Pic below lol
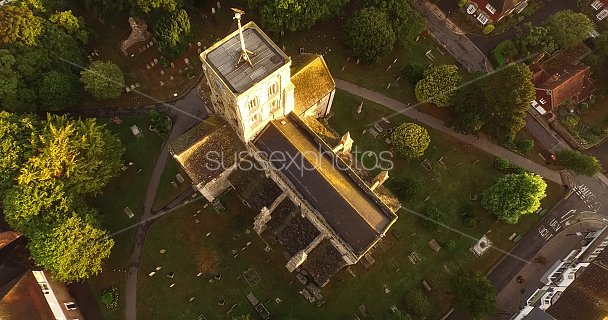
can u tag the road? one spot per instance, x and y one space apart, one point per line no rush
487 43
514 295
186 113
458 45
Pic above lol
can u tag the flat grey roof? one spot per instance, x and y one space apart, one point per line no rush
266 59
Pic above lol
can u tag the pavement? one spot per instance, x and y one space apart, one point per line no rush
186 113
458 45
513 297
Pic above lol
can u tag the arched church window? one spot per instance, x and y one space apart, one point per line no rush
273 89
275 105
253 103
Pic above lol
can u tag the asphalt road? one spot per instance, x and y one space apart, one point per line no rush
487 43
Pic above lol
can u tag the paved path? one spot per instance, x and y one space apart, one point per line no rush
186 113
481 142
458 45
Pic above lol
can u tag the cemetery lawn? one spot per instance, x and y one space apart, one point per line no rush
166 192
128 189
190 250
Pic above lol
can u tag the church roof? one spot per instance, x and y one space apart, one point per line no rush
352 213
207 149
223 58
312 81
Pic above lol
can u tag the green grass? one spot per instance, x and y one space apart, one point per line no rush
190 250
166 192
128 189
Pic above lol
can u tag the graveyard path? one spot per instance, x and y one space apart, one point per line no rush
189 112
481 142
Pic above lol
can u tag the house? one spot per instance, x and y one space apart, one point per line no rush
556 85
602 7
27 294
492 11
574 287
308 200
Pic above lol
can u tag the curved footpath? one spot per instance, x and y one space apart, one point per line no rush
190 112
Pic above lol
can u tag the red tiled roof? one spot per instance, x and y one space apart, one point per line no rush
7 237
560 84
502 7
25 300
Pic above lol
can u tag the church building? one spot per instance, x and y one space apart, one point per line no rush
309 201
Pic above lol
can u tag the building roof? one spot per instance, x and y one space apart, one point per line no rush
312 81
253 186
586 298
7 237
22 298
224 55
324 262
350 212
505 5
207 149
556 85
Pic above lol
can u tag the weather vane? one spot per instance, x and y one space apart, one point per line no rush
244 52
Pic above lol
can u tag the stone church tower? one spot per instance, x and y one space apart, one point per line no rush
249 93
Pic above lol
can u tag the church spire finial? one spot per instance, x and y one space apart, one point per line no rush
245 54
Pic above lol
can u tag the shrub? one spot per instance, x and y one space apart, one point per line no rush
578 162
583 106
487 29
524 146
571 123
161 122
462 3
503 51
502 164
434 217
405 187
414 72
416 303
410 140
468 215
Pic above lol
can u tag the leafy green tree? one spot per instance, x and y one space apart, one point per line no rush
73 250
59 90
74 26
18 25
149 5
161 122
172 32
439 85
578 162
417 303
533 40
474 294
497 104
568 28
514 195
410 140
414 72
292 15
369 34
406 21
103 79
405 187
16 133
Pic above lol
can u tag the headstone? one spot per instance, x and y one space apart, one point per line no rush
158 268
162 84
174 184
133 87
198 44
191 299
155 61
127 89
151 273
148 66
162 72
172 285
171 78
219 5
212 10
186 61
180 179
199 50
137 85
172 65
162 251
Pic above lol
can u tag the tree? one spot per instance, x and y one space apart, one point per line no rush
16 132
405 187
406 21
71 251
416 303
161 122
439 85
59 90
578 162
533 40
568 28
369 34
514 195
292 15
148 5
474 294
172 32
74 26
414 72
496 104
103 79
434 218
18 25
410 140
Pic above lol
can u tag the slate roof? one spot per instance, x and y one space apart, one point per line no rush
224 56
201 149
324 262
350 212
586 298
291 229
312 80
253 186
